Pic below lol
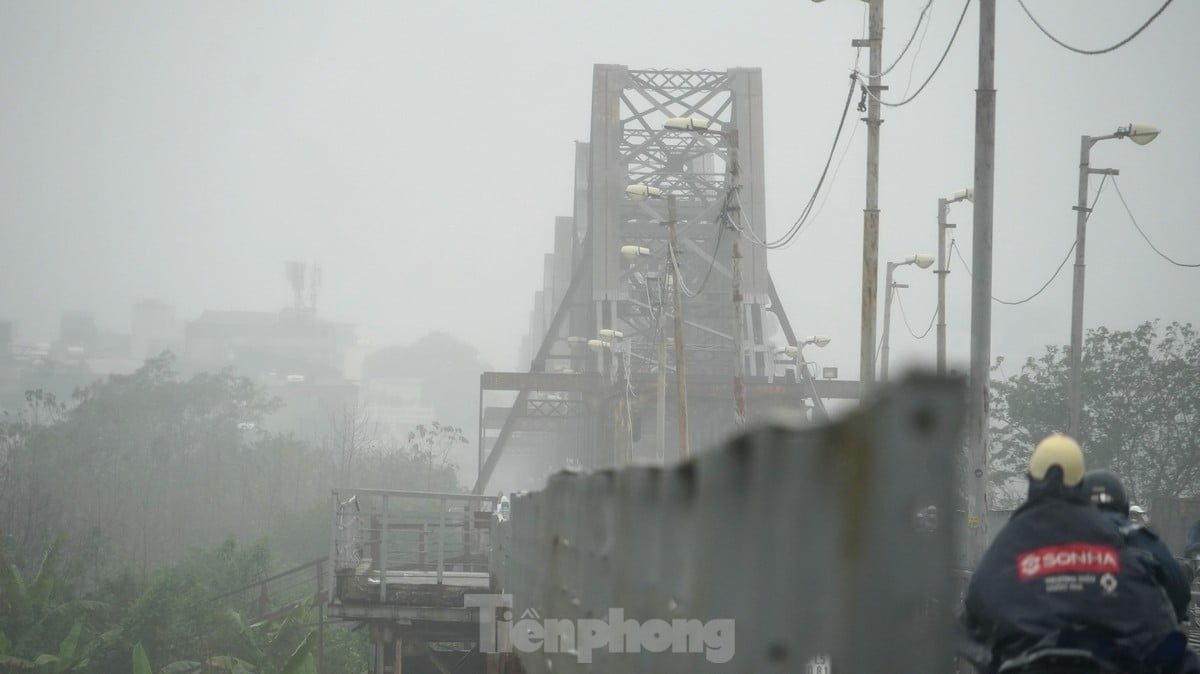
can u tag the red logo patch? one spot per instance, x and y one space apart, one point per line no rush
1069 558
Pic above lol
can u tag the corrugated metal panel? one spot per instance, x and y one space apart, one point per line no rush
806 539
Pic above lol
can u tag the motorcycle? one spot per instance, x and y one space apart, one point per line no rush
1057 661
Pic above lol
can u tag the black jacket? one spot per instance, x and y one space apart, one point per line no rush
1167 571
1060 574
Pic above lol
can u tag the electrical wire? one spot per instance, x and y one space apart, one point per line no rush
1093 52
912 65
936 68
923 335
1153 247
837 169
954 248
711 263
1088 216
916 29
787 238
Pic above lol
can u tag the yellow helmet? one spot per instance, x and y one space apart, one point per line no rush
1057 450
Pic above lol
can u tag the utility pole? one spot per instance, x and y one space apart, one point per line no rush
981 287
870 278
1074 411
739 310
942 271
1082 212
660 447
677 305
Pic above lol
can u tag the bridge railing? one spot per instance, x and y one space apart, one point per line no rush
383 539
783 548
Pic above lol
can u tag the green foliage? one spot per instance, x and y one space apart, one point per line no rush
141 664
1141 408
113 511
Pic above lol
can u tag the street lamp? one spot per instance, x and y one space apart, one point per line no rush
1140 134
796 354
922 260
641 192
943 207
702 125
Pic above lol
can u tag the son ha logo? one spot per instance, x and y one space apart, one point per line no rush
1069 558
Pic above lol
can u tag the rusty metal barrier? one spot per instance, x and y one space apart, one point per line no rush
815 542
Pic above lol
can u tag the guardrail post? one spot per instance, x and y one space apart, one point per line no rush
441 538
383 529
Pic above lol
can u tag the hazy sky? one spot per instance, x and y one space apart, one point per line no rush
420 151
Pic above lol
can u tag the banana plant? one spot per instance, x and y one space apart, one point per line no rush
26 608
266 640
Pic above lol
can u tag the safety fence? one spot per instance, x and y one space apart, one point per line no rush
785 547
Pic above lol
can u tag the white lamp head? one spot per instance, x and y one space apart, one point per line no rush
631 252
922 260
1140 133
819 340
687 123
597 344
965 193
609 333
641 192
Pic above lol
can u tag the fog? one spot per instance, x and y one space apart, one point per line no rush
420 153
161 163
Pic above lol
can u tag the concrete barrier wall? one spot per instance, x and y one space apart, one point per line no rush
807 540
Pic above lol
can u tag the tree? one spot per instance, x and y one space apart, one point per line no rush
431 446
1141 408
32 622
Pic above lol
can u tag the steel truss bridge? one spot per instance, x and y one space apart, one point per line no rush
594 408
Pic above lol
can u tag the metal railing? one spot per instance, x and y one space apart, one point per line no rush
810 541
275 595
386 538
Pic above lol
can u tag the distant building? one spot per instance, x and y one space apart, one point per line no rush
153 329
77 332
394 406
260 344
312 409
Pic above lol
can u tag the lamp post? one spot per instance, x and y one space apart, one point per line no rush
796 354
641 193
701 125
943 207
1140 134
631 253
923 261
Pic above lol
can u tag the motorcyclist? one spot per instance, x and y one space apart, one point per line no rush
1138 515
1105 490
1059 575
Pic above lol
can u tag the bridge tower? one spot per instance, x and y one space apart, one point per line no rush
596 405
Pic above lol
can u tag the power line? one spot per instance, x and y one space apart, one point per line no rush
936 68
1039 290
916 28
1088 216
711 263
1093 52
912 65
903 315
1153 247
787 238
